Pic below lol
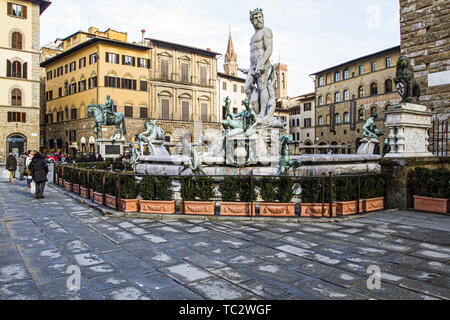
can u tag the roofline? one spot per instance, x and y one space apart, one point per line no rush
224 75
43 4
182 46
90 42
357 59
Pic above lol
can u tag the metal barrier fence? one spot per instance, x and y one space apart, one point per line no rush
438 137
326 188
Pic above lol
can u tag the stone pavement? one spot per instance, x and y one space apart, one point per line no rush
44 243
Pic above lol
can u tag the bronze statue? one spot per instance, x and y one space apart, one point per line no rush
370 128
242 122
406 84
285 158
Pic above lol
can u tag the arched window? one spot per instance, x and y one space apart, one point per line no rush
337 97
361 92
346 117
16 40
320 121
388 85
16 70
346 95
16 97
320 100
337 118
328 99
321 81
361 114
66 88
373 89
16 143
372 110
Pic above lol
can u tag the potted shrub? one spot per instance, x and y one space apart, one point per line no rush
430 189
197 194
68 178
156 193
98 187
237 196
110 190
75 181
277 194
60 176
372 193
84 184
128 193
311 198
345 196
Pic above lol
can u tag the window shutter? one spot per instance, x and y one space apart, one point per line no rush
133 61
106 81
90 59
24 11
107 57
134 84
8 68
117 58
9 114
24 70
24 117
148 63
9 9
123 59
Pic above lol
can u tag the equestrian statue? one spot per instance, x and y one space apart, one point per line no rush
104 115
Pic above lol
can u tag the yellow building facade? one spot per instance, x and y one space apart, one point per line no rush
154 79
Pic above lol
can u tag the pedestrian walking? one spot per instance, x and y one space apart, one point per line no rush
39 171
27 168
11 166
21 163
99 158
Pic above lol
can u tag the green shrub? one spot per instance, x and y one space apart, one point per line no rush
267 189
67 173
110 184
228 188
147 188
75 178
277 189
426 182
128 187
98 181
156 188
312 189
83 179
246 191
372 187
345 188
198 188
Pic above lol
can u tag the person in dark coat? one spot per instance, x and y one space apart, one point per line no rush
92 157
11 165
99 158
39 171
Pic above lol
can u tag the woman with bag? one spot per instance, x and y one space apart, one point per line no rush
11 165
27 170
39 171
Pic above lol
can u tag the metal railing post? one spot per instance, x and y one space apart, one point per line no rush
103 188
358 193
331 193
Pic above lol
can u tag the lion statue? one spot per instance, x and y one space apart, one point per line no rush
406 84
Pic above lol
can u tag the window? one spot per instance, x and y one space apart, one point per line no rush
224 85
49 75
92 58
129 84
16 10
372 110
307 106
283 81
66 111
373 66
185 72
165 69
165 109
388 62
129 61
328 99
235 87
59 116
361 70
346 117
337 97
73 114
185 111
298 136
49 95
361 114
346 95
17 117
73 66
60 92
112 82
242 89
320 102
92 82
16 69
203 79
361 92
112 57
320 81
307 122
128 111
82 85
16 97
388 86
337 76
373 89
298 122
82 62
346 74
143 85
143 112
73 88
320 121
337 118
204 111
144 63
16 41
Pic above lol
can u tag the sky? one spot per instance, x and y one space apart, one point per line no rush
308 35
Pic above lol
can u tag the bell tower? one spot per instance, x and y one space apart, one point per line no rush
230 66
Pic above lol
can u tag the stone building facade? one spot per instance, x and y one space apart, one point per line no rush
425 40
347 95
19 76
302 122
154 79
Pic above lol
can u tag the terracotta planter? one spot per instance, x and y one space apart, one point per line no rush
199 207
98 197
76 188
237 209
84 192
129 205
275 209
68 186
428 204
345 208
110 201
373 204
91 195
315 210
157 206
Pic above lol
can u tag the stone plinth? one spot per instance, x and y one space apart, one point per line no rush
408 124
110 148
